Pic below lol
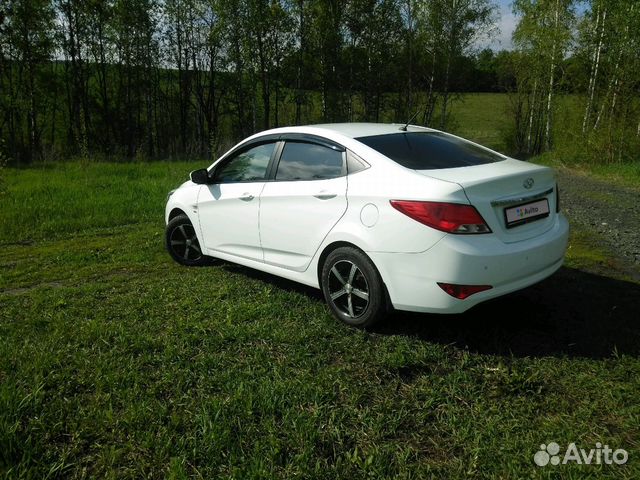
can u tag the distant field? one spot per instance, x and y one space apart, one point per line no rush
486 118
115 362
483 118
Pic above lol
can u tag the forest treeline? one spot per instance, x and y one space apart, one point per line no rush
175 78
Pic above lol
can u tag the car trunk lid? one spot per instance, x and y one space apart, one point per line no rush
509 184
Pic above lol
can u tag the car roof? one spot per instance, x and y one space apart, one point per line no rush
344 134
355 130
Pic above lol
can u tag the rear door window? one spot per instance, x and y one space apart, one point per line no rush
429 150
308 161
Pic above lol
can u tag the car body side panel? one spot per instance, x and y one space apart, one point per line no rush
378 226
295 216
229 218
185 198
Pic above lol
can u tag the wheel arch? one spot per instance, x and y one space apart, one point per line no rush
342 243
325 253
175 212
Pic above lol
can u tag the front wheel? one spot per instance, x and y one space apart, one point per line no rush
353 288
182 243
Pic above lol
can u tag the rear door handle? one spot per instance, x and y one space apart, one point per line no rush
323 195
246 197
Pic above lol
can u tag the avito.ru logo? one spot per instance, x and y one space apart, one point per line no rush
549 454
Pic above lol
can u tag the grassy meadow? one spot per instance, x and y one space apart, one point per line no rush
116 362
483 118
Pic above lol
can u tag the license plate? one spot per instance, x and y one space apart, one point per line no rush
526 213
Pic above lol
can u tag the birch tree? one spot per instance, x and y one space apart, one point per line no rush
610 40
455 25
373 32
544 36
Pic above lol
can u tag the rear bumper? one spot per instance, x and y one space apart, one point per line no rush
411 278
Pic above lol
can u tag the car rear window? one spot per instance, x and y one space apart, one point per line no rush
429 150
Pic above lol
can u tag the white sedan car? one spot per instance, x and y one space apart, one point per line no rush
378 216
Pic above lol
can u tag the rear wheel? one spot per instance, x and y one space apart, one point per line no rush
353 288
182 243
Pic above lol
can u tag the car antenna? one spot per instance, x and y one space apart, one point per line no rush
404 127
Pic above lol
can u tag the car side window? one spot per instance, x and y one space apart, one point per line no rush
308 161
248 166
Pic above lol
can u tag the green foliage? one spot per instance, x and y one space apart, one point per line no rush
168 78
158 79
604 66
610 40
543 38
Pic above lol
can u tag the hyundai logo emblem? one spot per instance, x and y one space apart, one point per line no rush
528 183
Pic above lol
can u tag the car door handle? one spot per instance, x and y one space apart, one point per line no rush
323 195
246 197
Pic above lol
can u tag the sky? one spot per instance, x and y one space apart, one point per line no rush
507 24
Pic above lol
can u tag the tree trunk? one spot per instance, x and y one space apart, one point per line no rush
240 92
547 130
254 107
13 150
265 83
212 119
410 58
324 97
428 113
54 111
276 113
102 80
612 83
532 108
445 93
182 95
33 122
594 70
616 84
300 62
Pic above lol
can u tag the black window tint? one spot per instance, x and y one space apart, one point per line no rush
429 150
248 166
307 161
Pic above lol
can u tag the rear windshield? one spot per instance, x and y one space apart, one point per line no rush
429 150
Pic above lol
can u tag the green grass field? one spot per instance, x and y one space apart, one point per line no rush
115 362
483 118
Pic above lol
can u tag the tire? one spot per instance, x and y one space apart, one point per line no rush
182 243
352 288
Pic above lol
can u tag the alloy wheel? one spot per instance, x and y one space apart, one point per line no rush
184 243
348 288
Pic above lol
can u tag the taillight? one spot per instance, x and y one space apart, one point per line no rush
557 199
462 291
447 217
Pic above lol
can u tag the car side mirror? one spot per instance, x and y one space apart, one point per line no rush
200 177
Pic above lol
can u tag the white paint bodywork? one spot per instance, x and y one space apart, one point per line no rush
284 228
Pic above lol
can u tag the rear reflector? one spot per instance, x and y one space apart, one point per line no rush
446 217
462 291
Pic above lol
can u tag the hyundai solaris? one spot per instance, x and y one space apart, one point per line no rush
377 216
